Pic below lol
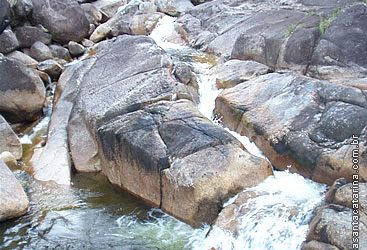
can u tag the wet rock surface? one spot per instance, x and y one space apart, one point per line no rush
13 199
300 122
9 141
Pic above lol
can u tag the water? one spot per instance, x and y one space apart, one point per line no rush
277 218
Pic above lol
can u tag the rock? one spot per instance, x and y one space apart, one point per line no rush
340 52
64 19
185 75
341 193
92 13
173 7
300 122
22 9
8 41
9 159
28 35
316 245
5 12
53 162
60 52
150 138
75 49
234 72
51 67
109 7
87 43
148 7
128 20
23 58
40 51
14 201
21 90
332 225
9 141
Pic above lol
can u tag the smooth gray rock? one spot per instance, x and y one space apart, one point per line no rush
13 200
40 51
9 141
22 92
5 12
92 13
75 49
173 7
60 52
51 67
23 58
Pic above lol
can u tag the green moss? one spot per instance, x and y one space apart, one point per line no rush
326 22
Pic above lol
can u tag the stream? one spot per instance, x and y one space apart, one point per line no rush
92 214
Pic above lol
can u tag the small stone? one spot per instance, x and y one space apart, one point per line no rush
9 159
76 49
100 33
60 52
87 43
51 67
40 51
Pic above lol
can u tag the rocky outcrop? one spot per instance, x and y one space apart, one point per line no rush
150 138
64 19
305 36
22 92
9 141
300 122
13 200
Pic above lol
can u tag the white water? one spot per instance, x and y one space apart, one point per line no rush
278 217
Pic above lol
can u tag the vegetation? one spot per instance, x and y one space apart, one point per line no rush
326 22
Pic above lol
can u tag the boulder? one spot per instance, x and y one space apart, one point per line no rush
23 58
9 141
14 201
28 35
233 72
75 49
21 90
60 52
149 137
5 12
22 9
332 225
110 7
300 122
64 19
40 51
185 75
8 41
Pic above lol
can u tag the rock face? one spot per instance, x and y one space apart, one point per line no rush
9 141
65 20
13 200
306 36
22 92
301 122
150 138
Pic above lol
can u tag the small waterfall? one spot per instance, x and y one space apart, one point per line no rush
277 218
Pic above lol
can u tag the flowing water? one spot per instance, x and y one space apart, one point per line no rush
92 214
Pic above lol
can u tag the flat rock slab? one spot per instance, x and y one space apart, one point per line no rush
141 124
13 200
300 122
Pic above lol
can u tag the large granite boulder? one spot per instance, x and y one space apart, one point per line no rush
300 122
22 92
13 200
138 125
9 141
64 19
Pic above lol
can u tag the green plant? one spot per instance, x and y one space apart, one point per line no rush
326 22
291 29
